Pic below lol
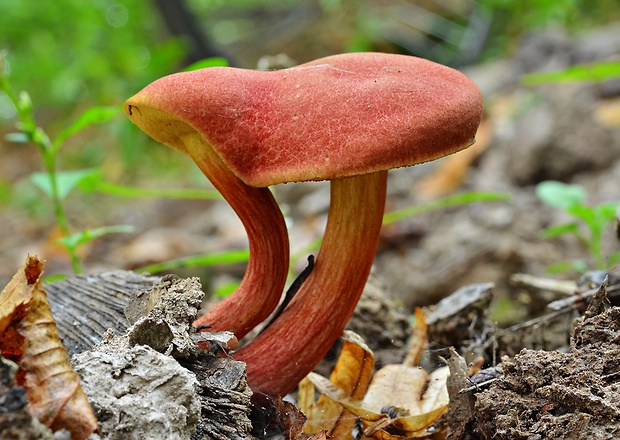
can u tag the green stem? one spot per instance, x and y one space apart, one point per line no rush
59 209
37 136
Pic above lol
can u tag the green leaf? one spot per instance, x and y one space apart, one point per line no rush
43 181
560 195
19 137
66 181
557 230
607 211
601 71
162 193
95 182
54 278
613 259
203 260
88 235
92 116
6 192
445 202
225 289
585 213
207 62
579 266
24 104
40 138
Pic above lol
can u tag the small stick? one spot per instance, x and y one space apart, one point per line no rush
292 290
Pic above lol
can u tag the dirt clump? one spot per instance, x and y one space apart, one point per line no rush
555 395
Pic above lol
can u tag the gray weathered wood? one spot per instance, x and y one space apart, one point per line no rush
85 306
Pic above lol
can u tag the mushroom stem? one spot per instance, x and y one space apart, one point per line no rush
261 288
290 348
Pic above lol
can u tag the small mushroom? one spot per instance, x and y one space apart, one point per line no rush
346 118
180 115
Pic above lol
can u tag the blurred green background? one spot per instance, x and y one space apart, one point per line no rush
71 55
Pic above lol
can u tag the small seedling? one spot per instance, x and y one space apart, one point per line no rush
55 184
588 226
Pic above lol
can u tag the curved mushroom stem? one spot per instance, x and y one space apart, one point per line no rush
262 286
289 349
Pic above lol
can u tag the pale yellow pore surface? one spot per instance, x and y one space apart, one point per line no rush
335 117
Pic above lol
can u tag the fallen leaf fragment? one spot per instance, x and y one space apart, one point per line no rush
29 336
607 113
320 436
289 418
351 377
400 398
399 386
417 341
417 398
14 301
274 412
436 393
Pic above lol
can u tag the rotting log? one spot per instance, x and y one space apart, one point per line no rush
85 306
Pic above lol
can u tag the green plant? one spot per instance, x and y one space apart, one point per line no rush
511 20
595 72
71 52
55 184
588 227
412 211
444 202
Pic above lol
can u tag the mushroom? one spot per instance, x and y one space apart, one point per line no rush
345 118
170 112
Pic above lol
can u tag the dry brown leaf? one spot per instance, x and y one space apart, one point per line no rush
31 338
383 435
417 341
14 301
436 393
403 423
289 418
419 398
351 377
320 436
398 386
607 113
402 397
414 425
354 368
328 389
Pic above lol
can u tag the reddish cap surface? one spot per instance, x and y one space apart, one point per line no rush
331 118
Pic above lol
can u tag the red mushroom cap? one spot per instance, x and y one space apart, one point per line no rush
334 117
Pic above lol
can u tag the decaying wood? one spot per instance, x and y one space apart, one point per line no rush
85 306
225 398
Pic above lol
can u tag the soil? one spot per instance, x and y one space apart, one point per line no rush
152 376
551 394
